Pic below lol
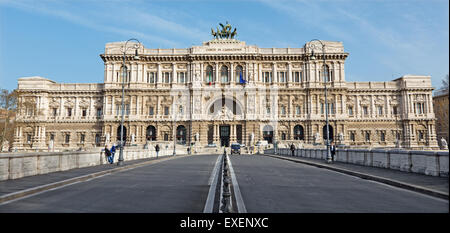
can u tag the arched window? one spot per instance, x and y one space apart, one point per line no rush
224 74
268 133
181 134
298 133
239 74
209 74
151 133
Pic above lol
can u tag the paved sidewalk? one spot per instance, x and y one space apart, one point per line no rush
431 185
16 188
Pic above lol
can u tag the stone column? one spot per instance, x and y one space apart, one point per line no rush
289 74
232 73
174 72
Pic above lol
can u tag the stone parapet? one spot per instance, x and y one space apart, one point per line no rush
18 165
433 163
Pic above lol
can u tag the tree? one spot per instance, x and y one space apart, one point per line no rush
445 84
8 104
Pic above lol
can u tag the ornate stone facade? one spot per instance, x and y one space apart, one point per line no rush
226 91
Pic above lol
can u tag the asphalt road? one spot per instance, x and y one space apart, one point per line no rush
267 185
270 185
174 186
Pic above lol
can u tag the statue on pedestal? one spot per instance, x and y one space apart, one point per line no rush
197 136
5 146
316 138
341 138
444 144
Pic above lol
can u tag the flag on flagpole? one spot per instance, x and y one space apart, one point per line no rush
241 80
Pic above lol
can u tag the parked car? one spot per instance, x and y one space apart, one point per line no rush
262 143
235 148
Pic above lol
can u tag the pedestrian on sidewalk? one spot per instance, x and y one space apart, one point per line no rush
107 153
113 152
292 149
333 150
157 150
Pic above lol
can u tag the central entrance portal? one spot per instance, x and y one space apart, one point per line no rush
225 135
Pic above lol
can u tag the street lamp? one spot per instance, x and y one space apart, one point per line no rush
326 99
124 76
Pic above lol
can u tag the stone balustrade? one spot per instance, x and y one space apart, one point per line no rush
17 165
433 163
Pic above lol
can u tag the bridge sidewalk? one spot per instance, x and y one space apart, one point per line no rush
17 188
431 185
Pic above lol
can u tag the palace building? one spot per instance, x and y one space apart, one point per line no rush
221 92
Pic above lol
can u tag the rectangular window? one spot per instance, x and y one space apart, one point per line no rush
181 77
99 112
69 111
298 110
167 77
283 110
352 136
367 137
151 77
166 137
382 136
350 111
268 110
166 111
282 77
97 139
55 111
420 135
28 138
118 108
84 112
52 137
380 110
296 76
82 138
151 111
67 139
267 77
394 110
127 109
365 110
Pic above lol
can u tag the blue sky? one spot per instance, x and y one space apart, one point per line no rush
62 40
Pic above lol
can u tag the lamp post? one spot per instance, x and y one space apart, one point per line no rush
326 99
124 76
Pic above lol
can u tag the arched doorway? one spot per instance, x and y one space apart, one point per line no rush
181 134
330 130
268 133
124 134
150 134
298 133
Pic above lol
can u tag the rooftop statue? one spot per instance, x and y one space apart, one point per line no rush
225 33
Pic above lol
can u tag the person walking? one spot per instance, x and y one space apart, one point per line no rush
107 153
157 150
333 150
113 152
292 149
